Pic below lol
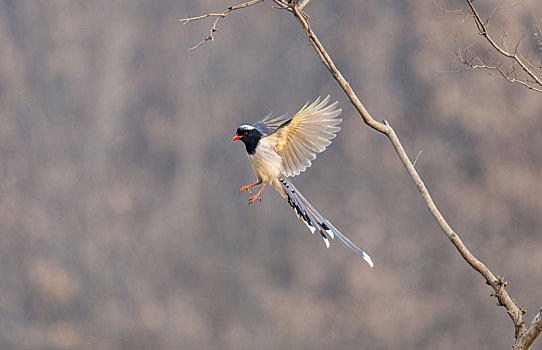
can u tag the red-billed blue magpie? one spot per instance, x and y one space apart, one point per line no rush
280 146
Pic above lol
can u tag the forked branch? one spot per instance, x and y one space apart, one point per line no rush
533 74
526 339
509 74
215 23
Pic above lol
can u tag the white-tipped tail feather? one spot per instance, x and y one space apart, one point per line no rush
314 221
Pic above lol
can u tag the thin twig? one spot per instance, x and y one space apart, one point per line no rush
416 160
302 5
497 9
460 11
215 23
282 5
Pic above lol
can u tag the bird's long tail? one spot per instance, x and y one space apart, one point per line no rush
314 221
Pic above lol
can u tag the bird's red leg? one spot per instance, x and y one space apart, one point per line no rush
247 187
257 196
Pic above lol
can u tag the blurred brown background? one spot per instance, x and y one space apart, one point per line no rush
121 224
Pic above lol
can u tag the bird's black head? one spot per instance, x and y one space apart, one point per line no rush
250 137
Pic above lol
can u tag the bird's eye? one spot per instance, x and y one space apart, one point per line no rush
245 133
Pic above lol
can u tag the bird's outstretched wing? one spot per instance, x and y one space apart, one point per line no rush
306 134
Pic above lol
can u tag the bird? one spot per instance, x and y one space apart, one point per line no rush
281 146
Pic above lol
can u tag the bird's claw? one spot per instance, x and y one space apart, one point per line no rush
245 188
252 199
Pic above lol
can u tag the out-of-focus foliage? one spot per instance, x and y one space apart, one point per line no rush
121 226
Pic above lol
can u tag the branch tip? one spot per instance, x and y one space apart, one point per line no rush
218 16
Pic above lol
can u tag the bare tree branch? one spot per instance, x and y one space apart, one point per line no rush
533 78
218 17
497 283
524 336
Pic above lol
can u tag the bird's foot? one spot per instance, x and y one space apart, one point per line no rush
247 187
252 199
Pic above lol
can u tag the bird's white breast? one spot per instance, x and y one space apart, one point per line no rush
267 164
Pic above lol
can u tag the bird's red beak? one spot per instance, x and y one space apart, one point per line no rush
237 137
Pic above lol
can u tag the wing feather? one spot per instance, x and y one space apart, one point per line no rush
300 157
304 154
306 134
271 122
288 161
